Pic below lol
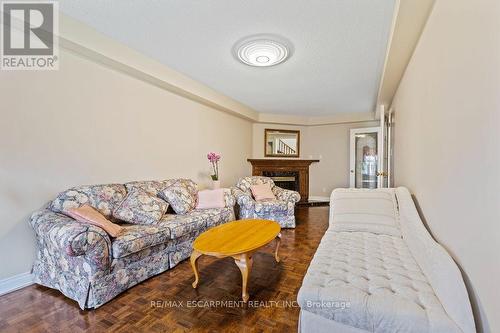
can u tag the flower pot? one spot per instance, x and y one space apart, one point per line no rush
215 184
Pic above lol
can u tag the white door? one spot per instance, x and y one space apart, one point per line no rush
366 169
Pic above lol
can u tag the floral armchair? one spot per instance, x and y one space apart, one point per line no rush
280 209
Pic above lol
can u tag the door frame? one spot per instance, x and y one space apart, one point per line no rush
352 153
390 148
382 151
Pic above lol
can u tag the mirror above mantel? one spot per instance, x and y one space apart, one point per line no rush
281 143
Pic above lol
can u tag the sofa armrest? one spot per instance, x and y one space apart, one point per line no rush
229 198
286 195
62 233
243 199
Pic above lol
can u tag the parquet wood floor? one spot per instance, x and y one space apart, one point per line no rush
160 304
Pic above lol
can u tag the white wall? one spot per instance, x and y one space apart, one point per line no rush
88 124
447 144
328 143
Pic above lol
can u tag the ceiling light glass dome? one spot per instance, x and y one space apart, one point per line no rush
262 50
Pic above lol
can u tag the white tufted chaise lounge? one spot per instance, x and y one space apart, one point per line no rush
377 269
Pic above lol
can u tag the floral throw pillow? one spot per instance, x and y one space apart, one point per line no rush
180 198
140 207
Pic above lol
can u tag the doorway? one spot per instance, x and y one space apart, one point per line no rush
366 167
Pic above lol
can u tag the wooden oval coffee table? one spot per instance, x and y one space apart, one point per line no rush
239 240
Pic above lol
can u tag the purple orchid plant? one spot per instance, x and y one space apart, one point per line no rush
214 158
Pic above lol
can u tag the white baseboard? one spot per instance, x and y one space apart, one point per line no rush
15 282
318 198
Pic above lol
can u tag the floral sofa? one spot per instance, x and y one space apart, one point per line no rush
85 264
280 210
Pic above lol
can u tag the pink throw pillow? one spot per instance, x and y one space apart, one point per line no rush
262 192
211 199
87 214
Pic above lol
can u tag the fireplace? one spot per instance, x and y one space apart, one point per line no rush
288 174
285 179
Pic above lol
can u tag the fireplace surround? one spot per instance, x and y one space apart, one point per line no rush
288 174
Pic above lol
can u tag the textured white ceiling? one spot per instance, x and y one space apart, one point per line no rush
339 46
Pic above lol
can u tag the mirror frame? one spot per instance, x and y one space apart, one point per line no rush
267 130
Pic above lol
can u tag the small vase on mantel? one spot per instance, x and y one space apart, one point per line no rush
215 184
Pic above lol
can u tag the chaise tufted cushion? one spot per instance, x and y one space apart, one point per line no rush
372 282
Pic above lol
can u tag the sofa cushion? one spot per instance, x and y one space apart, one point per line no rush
211 199
186 183
180 198
365 210
195 220
271 206
245 183
140 207
180 225
262 192
139 237
87 214
214 217
154 187
104 198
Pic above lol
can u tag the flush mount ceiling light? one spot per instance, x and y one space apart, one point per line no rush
262 50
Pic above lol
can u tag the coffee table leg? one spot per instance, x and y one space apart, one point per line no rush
194 257
278 242
244 262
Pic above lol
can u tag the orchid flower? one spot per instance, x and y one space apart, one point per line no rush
214 158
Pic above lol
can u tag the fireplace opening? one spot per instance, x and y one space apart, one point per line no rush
288 180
